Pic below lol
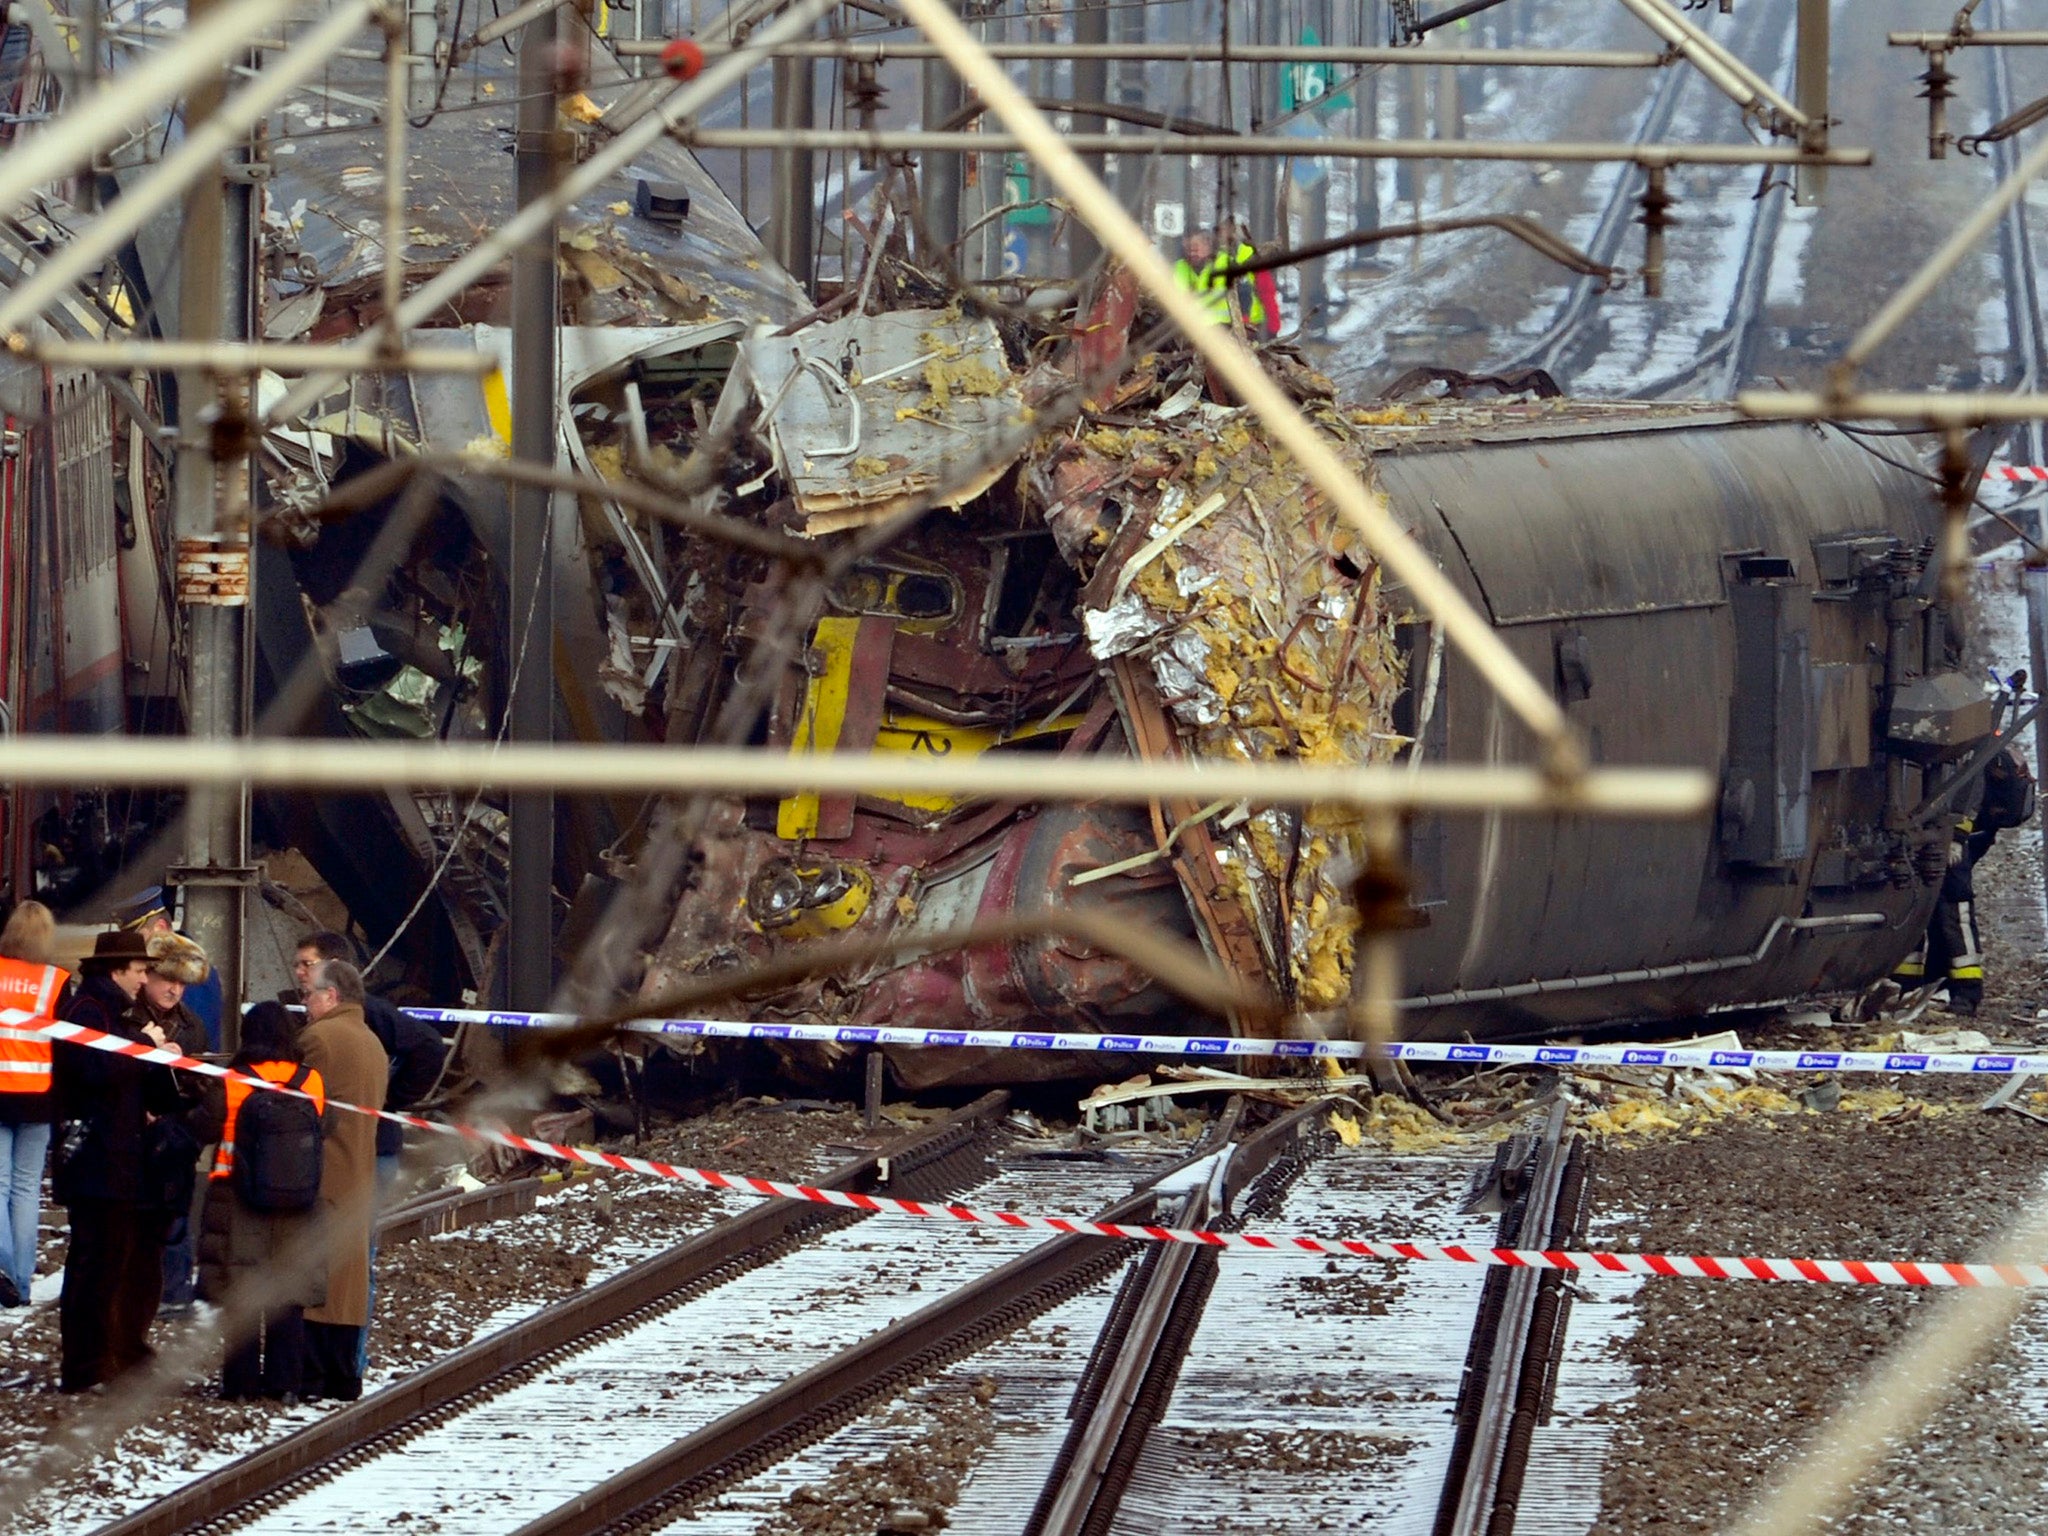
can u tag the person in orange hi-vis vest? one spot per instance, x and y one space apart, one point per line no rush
27 1106
266 1266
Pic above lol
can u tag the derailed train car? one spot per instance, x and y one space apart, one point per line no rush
1702 591
1151 580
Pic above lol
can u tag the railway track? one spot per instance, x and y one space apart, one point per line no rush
1571 342
986 1308
741 1370
1228 1392
944 1159
1202 1407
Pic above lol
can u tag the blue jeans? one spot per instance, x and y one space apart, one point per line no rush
388 1166
181 1257
22 1149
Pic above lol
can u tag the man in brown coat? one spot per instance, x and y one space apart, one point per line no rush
338 1044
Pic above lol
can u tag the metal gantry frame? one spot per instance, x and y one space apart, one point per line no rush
1562 783
757 33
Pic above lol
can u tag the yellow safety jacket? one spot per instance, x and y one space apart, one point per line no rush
24 1049
1213 288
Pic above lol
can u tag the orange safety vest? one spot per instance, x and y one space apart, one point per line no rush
25 1051
270 1072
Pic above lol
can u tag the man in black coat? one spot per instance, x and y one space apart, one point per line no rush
416 1052
113 1270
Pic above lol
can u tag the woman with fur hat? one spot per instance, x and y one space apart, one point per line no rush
113 1272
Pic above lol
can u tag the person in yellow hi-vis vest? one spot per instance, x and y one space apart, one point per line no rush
1200 271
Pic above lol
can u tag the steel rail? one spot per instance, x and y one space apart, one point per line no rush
345 765
1145 1340
1565 335
451 1210
1567 325
663 1486
1511 1365
745 1242
1914 291
1725 361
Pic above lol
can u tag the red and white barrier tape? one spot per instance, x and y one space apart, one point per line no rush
2018 471
1696 1266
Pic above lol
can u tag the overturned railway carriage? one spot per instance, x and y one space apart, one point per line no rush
1748 598
1701 591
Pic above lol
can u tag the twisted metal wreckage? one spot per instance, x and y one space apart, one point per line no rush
1150 577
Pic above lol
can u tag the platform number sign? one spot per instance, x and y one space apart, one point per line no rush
1169 220
1309 85
1017 189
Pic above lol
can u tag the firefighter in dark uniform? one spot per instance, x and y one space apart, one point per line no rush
1952 950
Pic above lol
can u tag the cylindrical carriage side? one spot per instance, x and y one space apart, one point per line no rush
1726 596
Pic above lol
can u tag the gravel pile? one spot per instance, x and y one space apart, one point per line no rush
1733 1377
939 1432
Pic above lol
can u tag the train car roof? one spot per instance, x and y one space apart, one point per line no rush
326 202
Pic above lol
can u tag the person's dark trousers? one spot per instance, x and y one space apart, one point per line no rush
271 1361
179 1258
331 1362
113 1280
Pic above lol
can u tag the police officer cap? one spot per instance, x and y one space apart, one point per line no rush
141 907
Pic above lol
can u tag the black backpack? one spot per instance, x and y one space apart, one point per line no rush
2008 793
278 1149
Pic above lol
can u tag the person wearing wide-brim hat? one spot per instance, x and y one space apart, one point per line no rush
149 912
113 1270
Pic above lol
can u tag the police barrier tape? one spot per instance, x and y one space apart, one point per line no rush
1697 1266
1689 1057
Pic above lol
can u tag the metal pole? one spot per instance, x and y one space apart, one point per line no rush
2037 636
1201 53
1262 212
326 766
940 178
1728 74
1276 146
1810 86
1935 409
1314 318
210 513
1947 40
793 224
1365 197
529 947
1091 83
